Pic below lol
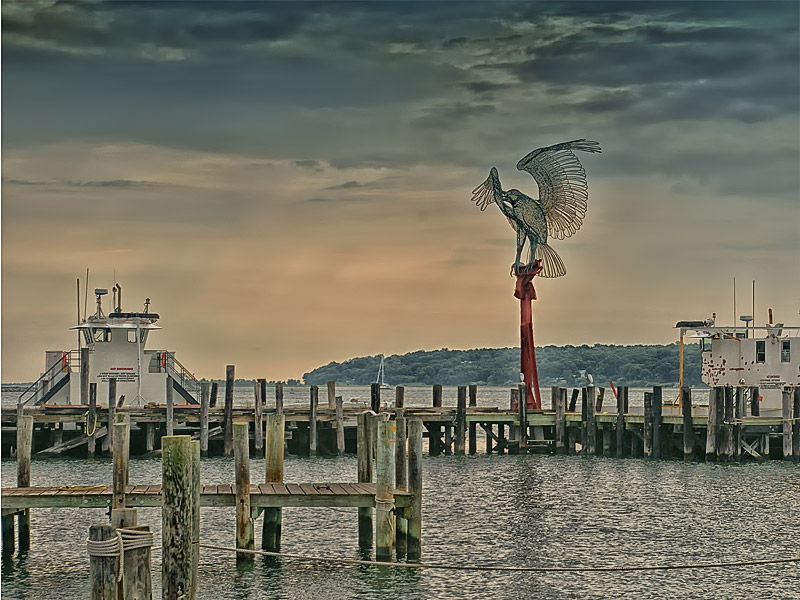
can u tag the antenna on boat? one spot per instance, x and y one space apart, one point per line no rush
86 294
78 281
734 301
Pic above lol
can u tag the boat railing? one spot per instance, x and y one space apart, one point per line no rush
165 362
55 373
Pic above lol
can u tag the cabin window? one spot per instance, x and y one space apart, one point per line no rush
761 351
101 334
132 335
705 344
785 351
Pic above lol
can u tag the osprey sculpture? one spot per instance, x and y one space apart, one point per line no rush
558 212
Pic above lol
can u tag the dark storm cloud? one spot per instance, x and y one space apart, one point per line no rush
347 185
110 183
309 164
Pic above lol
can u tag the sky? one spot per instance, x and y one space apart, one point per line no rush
290 183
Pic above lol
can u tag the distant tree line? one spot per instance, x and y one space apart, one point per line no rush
640 365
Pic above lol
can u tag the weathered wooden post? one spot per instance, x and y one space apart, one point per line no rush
150 436
339 406
258 417
647 438
228 426
591 422
312 420
195 530
384 496
214 393
714 397
727 432
401 480
103 568
364 451
273 517
375 397
657 420
177 515
415 489
204 406
136 582
522 415
170 407
573 402
108 440
755 409
601 393
331 394
513 430
622 393
459 445
435 431
740 410
8 535
560 401
91 421
24 448
244 524
796 426
787 422
473 427
121 456
279 398
399 396
584 418
688 423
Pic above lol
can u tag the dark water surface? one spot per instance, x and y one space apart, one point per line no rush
481 511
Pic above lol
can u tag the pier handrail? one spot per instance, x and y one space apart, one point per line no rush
180 373
68 360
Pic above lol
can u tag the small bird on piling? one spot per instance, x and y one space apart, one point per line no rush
559 210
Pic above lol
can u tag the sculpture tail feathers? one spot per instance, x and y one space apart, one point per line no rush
552 265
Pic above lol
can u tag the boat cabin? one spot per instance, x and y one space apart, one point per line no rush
113 346
767 357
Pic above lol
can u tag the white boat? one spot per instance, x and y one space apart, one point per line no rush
110 347
379 379
766 356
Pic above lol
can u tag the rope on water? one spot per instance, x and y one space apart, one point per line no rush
407 565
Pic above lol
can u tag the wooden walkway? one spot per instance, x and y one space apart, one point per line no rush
263 495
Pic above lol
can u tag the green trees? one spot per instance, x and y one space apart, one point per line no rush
639 365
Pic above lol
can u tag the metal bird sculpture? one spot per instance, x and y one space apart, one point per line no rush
559 210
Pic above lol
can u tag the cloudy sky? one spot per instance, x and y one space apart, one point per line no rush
290 183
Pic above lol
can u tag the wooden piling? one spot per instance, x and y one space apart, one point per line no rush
459 445
727 425
9 543
401 480
91 421
244 524
384 496
136 583
560 400
755 408
170 407
339 408
715 398
103 573
195 528
121 455
150 436
473 427
273 517
657 421
796 425
214 392
176 516
584 417
647 438
739 411
787 412
331 394
415 489
688 423
279 398
364 476
522 416
312 420
573 401
606 440
399 396
435 446
108 440
24 448
601 393
204 406
591 422
258 417
375 397
228 426
620 424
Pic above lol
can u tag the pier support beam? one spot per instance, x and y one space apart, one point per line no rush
459 446
244 522
230 371
274 446
688 423
364 449
591 422
401 481
121 455
787 422
715 398
312 420
177 515
560 401
204 406
384 496
415 489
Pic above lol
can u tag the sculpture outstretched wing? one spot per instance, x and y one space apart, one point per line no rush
563 190
489 191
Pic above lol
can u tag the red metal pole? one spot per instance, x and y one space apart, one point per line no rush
526 293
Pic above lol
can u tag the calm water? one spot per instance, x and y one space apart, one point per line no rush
495 510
